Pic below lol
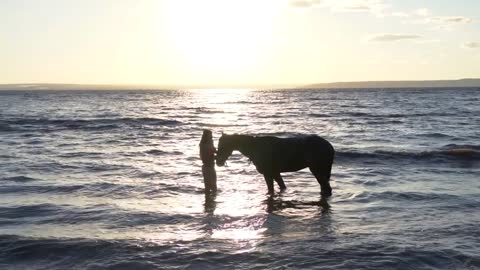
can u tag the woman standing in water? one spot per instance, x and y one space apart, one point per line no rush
207 154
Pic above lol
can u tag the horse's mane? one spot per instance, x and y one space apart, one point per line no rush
241 136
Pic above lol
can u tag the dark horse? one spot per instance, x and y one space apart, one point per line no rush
272 156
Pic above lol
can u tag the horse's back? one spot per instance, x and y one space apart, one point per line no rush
314 145
295 153
302 141
308 141
317 141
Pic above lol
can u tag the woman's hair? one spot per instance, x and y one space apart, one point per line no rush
206 136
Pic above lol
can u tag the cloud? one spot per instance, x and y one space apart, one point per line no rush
400 14
380 9
450 19
427 41
376 7
422 12
471 45
424 16
442 22
304 3
391 37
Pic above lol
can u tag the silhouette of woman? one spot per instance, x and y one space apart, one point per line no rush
207 155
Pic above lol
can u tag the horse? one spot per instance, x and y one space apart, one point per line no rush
272 156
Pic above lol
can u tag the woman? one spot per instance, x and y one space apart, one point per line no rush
207 154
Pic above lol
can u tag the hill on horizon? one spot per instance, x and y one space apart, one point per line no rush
399 84
360 84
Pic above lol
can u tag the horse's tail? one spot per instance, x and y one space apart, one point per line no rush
327 156
328 169
324 145
332 157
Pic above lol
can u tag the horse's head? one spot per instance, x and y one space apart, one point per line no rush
225 149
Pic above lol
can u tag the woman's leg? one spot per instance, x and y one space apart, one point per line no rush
209 178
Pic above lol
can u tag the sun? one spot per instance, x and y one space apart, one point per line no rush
219 37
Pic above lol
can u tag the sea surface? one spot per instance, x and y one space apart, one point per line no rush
112 180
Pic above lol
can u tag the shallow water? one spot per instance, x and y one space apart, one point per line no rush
112 179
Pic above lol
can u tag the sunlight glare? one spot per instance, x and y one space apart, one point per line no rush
224 106
220 37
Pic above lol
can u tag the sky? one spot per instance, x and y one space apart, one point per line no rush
237 42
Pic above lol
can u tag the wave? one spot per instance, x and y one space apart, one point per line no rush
396 115
19 212
79 253
441 201
157 152
319 115
368 196
48 213
207 110
434 135
92 155
57 189
365 253
99 189
5 127
446 153
20 179
202 124
22 124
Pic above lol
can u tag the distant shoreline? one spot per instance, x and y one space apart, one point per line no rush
461 83
399 84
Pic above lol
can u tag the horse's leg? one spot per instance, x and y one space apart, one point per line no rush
322 173
280 182
269 181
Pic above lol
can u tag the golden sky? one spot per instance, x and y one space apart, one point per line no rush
232 43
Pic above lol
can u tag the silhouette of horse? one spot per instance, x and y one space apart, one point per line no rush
272 156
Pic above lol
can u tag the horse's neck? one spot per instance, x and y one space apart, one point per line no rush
245 145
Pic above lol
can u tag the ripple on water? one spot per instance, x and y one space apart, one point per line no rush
19 179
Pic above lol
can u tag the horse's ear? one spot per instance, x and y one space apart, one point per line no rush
222 132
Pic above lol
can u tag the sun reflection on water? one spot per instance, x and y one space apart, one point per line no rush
235 214
222 95
223 106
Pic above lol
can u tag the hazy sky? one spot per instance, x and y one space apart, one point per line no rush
244 42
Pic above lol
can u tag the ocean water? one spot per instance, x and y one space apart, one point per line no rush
112 180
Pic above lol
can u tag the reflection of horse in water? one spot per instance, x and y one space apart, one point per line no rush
272 155
277 204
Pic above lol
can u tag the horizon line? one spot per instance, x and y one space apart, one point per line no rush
338 84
